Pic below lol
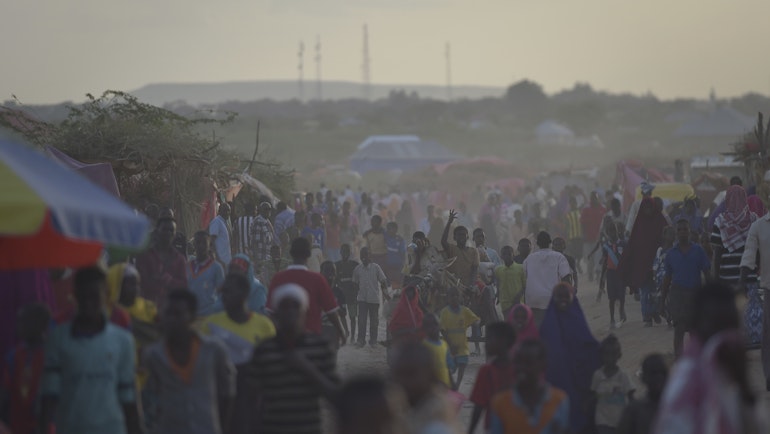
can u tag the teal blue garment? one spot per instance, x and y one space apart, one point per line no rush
205 280
92 377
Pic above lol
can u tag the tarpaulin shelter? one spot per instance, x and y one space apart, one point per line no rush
403 153
631 173
100 174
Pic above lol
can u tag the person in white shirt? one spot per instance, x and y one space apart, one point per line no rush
220 235
544 269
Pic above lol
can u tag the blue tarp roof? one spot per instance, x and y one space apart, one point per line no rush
385 153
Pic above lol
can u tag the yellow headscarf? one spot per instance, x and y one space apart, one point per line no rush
141 310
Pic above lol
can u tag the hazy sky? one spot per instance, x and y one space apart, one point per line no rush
56 50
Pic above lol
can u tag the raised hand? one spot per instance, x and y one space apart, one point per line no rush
452 215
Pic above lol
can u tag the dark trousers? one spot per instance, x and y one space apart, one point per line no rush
372 312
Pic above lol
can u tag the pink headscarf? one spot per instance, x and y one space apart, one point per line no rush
756 206
530 329
734 223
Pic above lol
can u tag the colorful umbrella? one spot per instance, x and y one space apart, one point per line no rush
52 217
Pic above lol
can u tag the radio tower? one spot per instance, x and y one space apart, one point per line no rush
318 89
448 55
301 70
365 67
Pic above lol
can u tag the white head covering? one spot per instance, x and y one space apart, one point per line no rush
292 291
767 175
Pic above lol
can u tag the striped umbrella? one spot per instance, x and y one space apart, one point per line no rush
53 217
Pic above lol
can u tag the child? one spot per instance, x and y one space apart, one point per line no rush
442 357
455 320
345 269
188 371
495 376
659 273
21 379
205 276
638 416
559 245
510 281
329 331
316 231
612 388
532 405
612 250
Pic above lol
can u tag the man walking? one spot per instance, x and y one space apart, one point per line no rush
371 282
543 270
591 220
686 263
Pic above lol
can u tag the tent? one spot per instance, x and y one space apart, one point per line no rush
631 173
100 174
404 153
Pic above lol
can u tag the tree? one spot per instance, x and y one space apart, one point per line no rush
158 156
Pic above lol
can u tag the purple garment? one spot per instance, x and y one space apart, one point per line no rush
572 358
717 212
19 288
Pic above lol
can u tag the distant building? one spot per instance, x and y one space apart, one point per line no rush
721 122
404 153
553 133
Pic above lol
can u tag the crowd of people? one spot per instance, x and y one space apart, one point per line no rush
237 328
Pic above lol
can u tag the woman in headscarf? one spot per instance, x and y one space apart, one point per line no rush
636 262
573 354
523 321
728 239
257 299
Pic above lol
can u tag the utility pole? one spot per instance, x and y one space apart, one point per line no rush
301 70
366 66
448 56
318 88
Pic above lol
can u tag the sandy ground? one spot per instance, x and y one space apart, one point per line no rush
636 341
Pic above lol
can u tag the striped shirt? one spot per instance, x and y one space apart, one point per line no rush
369 278
291 401
730 262
574 227
242 238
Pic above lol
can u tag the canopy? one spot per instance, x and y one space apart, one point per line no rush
51 216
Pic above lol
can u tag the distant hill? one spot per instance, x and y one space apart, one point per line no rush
211 93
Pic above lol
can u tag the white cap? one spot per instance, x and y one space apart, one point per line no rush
290 291
767 175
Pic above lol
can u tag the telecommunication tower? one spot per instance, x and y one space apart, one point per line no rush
448 57
318 85
301 70
366 66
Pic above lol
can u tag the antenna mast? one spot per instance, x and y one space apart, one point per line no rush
318 85
301 70
448 55
366 67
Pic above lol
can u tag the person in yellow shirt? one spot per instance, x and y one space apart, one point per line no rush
454 321
241 330
511 281
438 347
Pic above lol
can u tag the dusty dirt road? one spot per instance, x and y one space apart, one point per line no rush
636 341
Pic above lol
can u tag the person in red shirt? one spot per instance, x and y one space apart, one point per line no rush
321 298
591 219
162 267
495 376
